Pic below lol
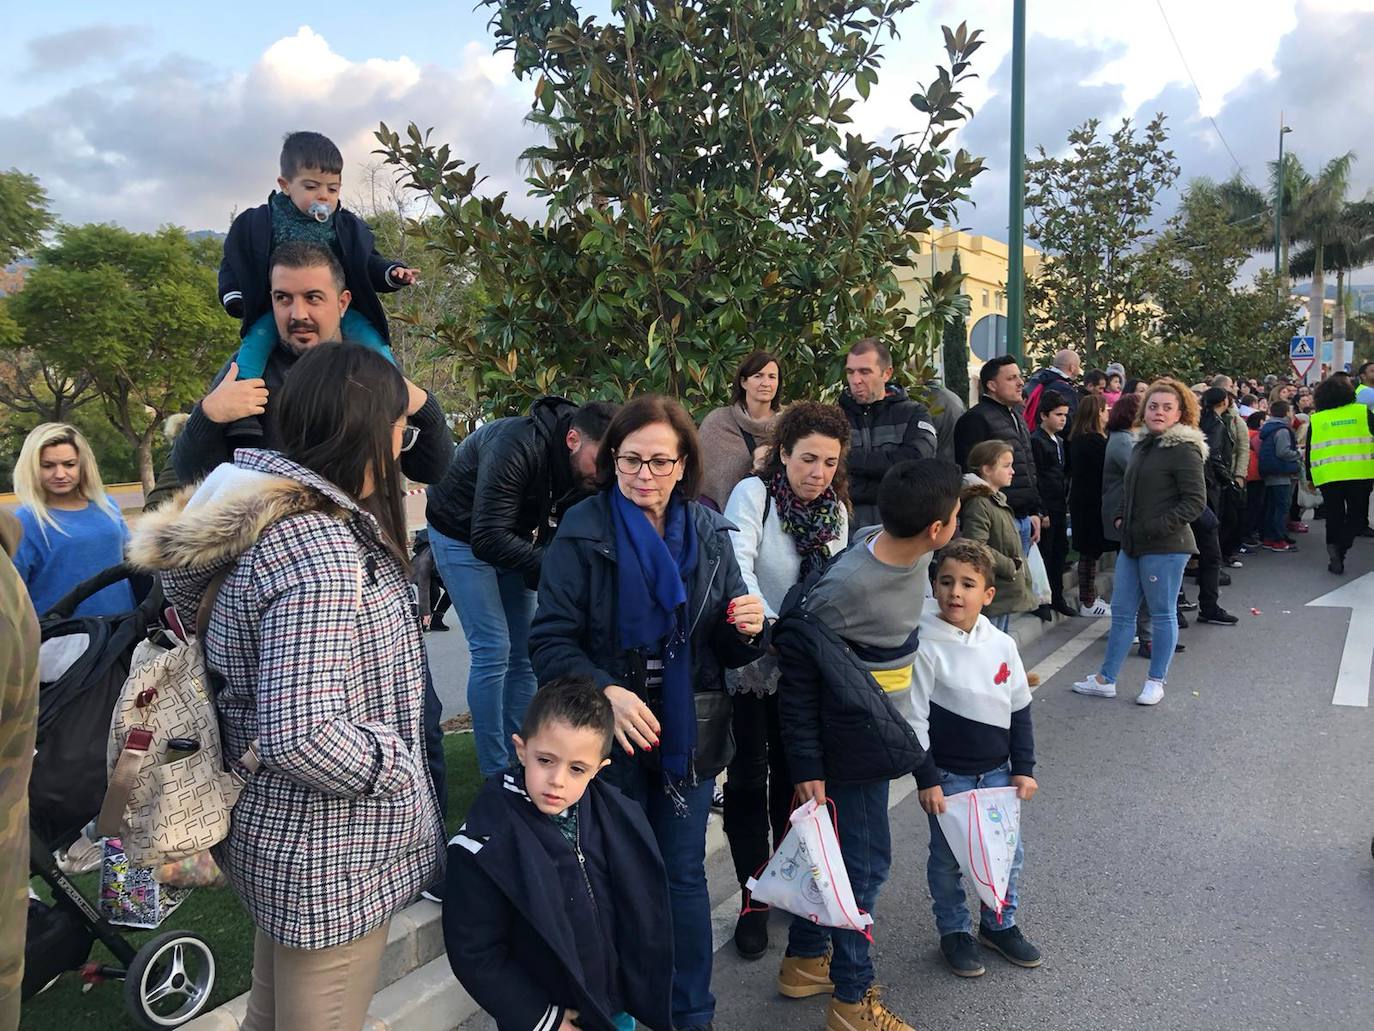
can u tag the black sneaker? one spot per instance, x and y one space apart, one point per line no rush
751 933
961 954
1182 619
1224 579
1218 618
435 892
1184 605
1146 649
1012 944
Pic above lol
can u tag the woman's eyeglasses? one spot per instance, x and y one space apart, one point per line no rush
409 436
630 465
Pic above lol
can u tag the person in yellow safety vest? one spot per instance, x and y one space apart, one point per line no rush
1340 462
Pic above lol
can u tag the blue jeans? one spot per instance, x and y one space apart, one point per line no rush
866 847
947 895
495 608
682 841
1002 622
1156 579
1023 527
1276 501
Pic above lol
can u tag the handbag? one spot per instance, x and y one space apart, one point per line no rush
715 733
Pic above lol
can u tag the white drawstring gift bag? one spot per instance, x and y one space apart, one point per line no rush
806 875
982 827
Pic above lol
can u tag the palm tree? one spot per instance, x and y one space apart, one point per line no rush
1349 246
1253 209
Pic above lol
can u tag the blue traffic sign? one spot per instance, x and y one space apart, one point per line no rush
1302 347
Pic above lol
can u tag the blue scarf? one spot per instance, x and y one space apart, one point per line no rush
651 613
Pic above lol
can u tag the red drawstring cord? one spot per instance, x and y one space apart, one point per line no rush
983 849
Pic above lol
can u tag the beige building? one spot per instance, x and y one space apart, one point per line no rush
983 261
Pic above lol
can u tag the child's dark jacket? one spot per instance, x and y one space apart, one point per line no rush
527 934
243 272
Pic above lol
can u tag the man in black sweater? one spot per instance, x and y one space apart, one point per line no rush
888 426
997 416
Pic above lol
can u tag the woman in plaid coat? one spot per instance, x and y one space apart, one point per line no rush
321 666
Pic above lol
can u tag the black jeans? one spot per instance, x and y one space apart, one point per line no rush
434 742
1232 516
1347 510
1208 568
1254 509
758 789
1056 550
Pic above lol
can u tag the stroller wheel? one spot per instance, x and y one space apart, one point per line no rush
170 980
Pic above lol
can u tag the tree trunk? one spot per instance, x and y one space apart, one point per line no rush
1315 310
146 472
1338 324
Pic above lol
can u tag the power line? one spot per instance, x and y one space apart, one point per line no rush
1201 100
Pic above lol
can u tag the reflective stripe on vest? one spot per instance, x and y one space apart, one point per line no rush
1340 445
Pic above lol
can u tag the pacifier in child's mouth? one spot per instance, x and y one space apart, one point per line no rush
319 211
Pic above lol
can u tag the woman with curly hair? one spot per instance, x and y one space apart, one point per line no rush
789 519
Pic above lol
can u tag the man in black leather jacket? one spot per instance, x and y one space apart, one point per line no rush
490 519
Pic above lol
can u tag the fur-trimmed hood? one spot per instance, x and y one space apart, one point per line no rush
1179 434
977 487
205 528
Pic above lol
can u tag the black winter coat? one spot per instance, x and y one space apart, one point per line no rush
204 444
1216 431
528 934
1087 456
244 282
991 420
1051 471
574 631
506 481
838 725
885 432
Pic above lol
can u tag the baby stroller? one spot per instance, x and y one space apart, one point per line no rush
85 662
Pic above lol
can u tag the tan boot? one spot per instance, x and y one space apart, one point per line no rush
868 1015
1033 679
801 977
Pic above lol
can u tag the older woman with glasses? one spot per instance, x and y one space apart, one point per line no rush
641 592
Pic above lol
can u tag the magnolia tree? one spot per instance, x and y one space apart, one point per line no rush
703 198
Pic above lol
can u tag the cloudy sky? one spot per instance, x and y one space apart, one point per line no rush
174 112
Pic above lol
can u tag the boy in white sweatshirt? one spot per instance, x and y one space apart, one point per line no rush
970 708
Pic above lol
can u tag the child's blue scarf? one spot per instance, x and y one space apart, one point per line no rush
651 609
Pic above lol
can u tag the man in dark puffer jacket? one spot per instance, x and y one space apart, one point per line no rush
997 416
490 519
889 427
846 643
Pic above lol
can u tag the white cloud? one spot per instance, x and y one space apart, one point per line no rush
180 141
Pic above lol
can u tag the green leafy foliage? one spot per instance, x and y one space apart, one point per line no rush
1090 212
702 195
24 215
133 315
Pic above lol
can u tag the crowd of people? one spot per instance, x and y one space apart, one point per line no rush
811 599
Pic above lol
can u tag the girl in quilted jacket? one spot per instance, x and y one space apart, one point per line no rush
321 669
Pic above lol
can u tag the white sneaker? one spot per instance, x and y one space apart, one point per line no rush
1094 687
84 856
1151 694
1098 608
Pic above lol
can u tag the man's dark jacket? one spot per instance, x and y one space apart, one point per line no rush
574 632
885 432
1056 382
508 479
204 444
992 420
1051 471
838 725
244 280
1216 431
529 931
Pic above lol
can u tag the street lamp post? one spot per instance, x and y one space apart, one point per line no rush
1016 242
1278 209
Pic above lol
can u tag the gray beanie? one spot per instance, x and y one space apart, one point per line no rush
1118 369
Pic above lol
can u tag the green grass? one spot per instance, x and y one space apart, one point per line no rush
212 913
